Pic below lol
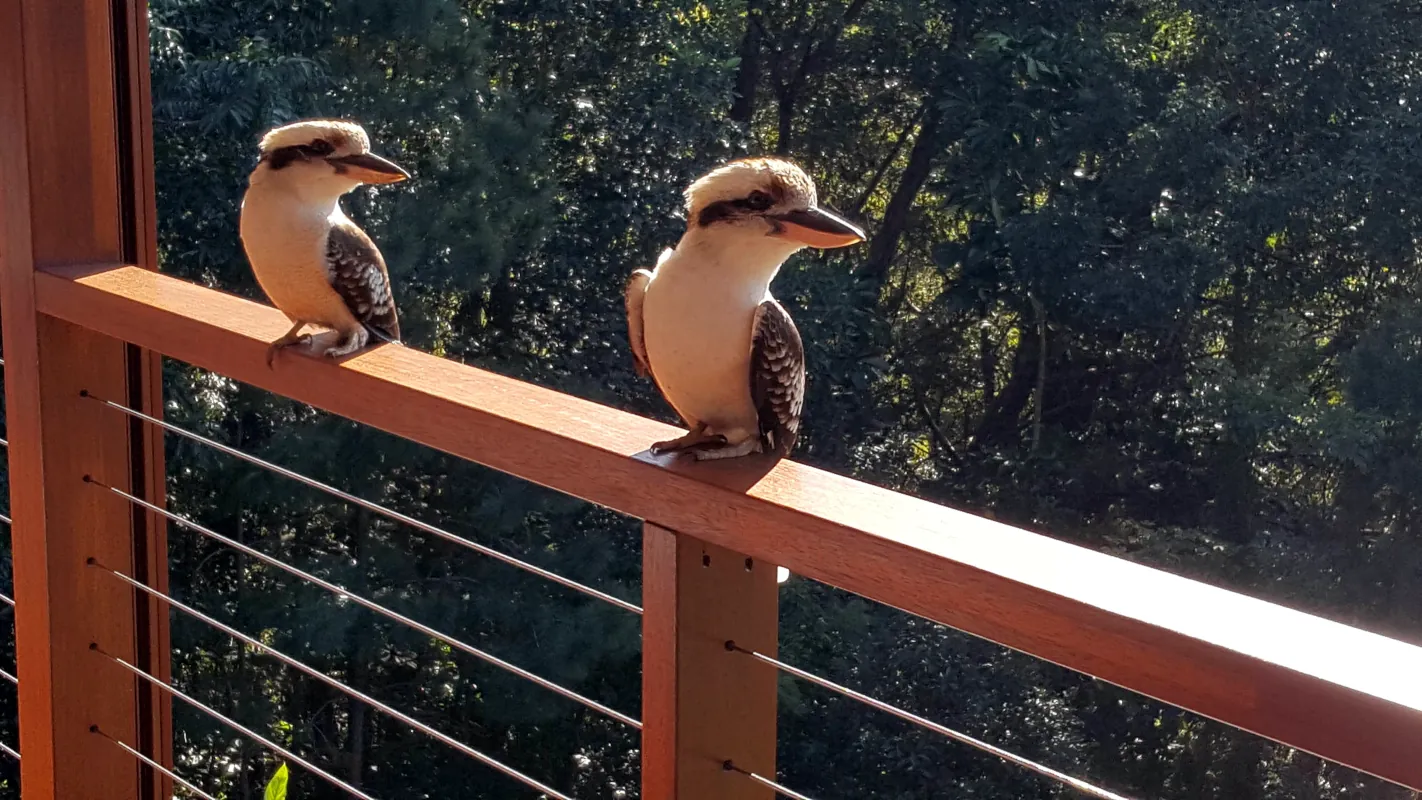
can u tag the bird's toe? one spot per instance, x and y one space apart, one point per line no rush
348 344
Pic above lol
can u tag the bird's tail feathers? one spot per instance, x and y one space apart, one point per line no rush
383 336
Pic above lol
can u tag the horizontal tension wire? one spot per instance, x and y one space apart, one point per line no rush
730 766
11 678
9 751
373 507
1061 777
371 605
337 685
94 729
7 600
235 725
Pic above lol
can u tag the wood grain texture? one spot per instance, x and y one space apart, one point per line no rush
702 704
76 185
1318 685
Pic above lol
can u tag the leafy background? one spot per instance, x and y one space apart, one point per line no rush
1142 275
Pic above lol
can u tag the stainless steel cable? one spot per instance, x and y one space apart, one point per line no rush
7 600
7 750
730 766
371 605
236 726
11 678
337 685
5 519
372 507
94 729
963 738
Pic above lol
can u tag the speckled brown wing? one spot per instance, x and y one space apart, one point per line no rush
357 271
633 295
777 376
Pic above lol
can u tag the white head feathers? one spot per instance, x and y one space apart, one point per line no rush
345 137
787 185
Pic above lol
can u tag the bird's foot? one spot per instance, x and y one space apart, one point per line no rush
751 445
697 438
283 343
348 343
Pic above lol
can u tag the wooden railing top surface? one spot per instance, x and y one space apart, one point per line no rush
1339 692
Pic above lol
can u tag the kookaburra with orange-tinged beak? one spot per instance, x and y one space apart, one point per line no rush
314 264
703 324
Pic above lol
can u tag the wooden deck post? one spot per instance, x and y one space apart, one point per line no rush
76 186
701 704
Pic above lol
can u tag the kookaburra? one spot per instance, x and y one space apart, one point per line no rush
703 324
315 265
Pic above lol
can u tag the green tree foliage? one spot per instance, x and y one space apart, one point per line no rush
1142 274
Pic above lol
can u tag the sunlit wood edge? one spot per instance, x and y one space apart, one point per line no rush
1339 692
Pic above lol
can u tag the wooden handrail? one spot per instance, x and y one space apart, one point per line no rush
1336 691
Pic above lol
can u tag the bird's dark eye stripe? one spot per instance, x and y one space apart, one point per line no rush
726 209
283 157
715 212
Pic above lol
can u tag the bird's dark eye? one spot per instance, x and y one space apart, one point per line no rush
321 147
758 201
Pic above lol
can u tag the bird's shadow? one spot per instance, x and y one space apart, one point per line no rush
739 475
316 347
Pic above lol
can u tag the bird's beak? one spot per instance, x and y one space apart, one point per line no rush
817 227
371 168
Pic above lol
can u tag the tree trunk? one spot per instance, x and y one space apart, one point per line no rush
873 185
1001 423
748 75
885 243
1039 395
1234 470
987 357
786 121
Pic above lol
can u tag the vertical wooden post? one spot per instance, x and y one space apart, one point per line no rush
76 186
701 704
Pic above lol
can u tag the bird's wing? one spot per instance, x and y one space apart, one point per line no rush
357 272
777 375
637 291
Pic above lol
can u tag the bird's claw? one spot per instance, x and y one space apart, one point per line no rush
347 344
283 343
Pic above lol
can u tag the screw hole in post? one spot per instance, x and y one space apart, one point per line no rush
705 560
750 563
